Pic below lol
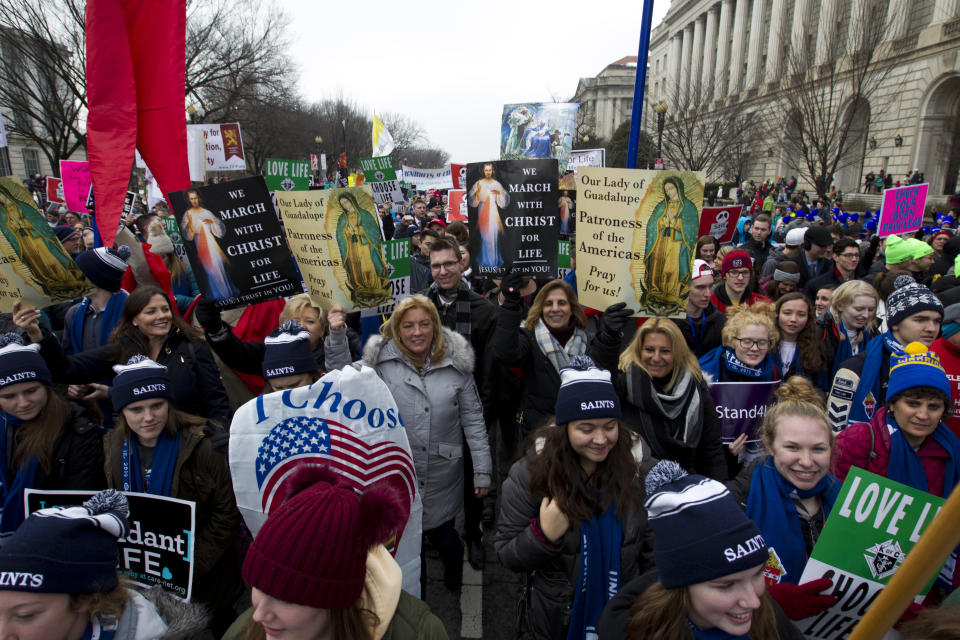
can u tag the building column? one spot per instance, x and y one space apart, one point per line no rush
776 39
685 62
857 26
798 33
944 10
898 19
721 75
694 83
676 46
754 62
737 47
707 77
827 37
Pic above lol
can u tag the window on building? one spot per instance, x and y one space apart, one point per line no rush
31 162
5 169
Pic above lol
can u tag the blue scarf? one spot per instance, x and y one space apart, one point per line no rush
724 358
713 634
111 316
878 352
98 631
905 465
160 477
11 491
844 347
771 505
599 577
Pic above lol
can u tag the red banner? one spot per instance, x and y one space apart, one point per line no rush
458 205
232 147
54 190
458 173
720 222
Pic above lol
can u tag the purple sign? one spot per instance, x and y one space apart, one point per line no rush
740 408
902 210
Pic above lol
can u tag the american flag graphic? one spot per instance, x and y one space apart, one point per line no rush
312 439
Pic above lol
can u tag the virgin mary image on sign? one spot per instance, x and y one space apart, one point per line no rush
489 197
361 249
203 228
671 238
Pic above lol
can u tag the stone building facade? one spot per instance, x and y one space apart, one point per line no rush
606 100
735 52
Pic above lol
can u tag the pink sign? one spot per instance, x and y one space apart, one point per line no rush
902 210
76 184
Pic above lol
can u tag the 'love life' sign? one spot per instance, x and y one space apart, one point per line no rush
874 524
902 209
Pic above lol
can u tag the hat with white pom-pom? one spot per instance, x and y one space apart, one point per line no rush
585 392
20 362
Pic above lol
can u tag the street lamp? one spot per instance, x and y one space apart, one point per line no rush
319 141
661 110
873 142
898 141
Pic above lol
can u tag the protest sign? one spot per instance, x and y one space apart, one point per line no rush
397 253
513 217
538 130
586 158
129 201
75 176
457 199
720 222
173 230
287 175
873 525
636 235
740 408
235 243
902 209
34 267
424 179
563 258
380 175
348 421
158 551
223 146
568 181
54 190
336 238
459 174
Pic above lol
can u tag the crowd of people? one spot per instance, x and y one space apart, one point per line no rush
585 442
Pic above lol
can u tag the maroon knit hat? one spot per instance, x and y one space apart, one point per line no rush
312 549
736 259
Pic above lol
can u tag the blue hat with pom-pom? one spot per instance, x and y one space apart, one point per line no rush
288 352
585 392
140 379
20 362
700 532
104 267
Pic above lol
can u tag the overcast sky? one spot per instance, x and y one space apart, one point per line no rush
453 65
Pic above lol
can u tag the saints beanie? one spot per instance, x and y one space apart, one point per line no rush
312 549
909 298
21 363
736 259
288 352
917 367
104 267
700 532
898 250
585 392
140 379
70 550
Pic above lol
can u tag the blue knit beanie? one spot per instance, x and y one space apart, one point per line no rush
585 392
140 379
917 367
104 267
700 532
288 352
21 363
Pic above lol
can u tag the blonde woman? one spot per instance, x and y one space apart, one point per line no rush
848 326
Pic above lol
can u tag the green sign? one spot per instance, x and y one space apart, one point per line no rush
379 173
173 230
563 257
397 253
287 175
873 525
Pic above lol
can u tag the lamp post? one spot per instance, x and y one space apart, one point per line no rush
661 110
319 142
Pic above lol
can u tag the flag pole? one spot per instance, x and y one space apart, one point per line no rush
638 87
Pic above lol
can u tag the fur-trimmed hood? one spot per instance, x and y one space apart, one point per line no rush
459 353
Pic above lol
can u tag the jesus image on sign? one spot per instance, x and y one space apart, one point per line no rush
488 195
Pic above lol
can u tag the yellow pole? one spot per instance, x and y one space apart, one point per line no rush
924 560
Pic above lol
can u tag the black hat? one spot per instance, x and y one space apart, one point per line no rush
104 267
819 236
140 379
288 352
64 232
21 363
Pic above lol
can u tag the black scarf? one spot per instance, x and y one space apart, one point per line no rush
668 420
461 305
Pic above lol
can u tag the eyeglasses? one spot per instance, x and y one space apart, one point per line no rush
850 256
750 343
739 273
444 266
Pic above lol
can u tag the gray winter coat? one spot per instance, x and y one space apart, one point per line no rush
440 407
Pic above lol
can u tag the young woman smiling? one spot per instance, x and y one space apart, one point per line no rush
800 351
847 328
745 355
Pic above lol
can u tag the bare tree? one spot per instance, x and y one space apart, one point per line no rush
828 104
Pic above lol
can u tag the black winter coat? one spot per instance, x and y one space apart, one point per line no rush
194 376
247 357
77 461
552 572
703 334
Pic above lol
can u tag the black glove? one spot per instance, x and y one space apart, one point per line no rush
219 437
874 242
511 285
614 318
208 316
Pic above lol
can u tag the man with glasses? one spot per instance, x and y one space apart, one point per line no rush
735 286
474 317
846 263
